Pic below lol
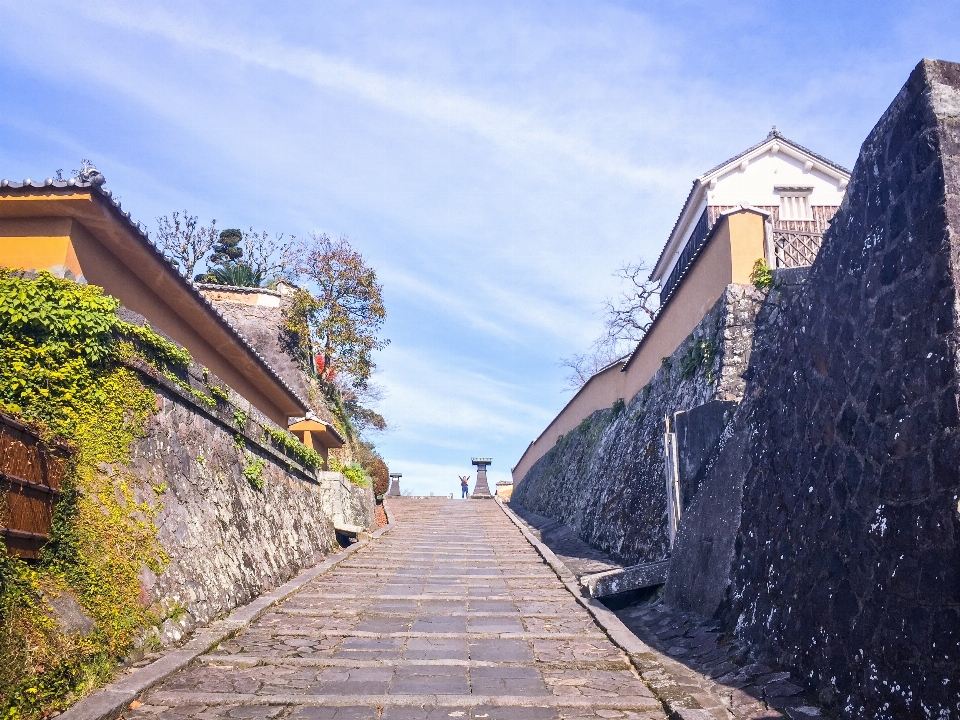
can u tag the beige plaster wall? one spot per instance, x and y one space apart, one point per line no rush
38 244
736 243
599 392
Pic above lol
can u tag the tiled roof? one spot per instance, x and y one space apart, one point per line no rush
96 185
774 134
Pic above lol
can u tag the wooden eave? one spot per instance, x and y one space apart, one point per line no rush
322 432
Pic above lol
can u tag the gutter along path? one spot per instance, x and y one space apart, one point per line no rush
453 614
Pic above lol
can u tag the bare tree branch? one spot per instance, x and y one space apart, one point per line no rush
584 366
270 256
184 242
626 320
628 317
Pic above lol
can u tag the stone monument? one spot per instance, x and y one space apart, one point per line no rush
481 489
394 490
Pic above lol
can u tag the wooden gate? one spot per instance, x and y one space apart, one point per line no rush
30 475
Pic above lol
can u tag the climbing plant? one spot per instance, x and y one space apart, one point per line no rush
700 355
353 472
761 276
62 369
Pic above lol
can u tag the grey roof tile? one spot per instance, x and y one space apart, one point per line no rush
185 282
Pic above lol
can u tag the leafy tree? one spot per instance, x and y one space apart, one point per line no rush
626 320
236 274
335 329
226 250
344 315
184 242
248 259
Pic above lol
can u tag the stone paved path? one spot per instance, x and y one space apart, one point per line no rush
452 614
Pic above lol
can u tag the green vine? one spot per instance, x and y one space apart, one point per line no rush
221 394
290 445
701 353
353 472
197 394
240 418
62 348
253 471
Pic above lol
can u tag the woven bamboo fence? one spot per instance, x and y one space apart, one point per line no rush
31 473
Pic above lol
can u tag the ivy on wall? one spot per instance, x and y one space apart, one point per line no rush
62 348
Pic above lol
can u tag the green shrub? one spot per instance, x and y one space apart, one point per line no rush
291 446
253 471
353 472
761 276
700 354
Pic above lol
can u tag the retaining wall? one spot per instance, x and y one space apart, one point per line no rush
605 478
227 540
827 534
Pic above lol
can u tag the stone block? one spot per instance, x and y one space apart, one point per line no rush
823 530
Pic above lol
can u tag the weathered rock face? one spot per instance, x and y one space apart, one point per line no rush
606 479
226 540
828 531
263 326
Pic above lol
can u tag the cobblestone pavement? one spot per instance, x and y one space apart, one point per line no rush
713 669
452 614
697 671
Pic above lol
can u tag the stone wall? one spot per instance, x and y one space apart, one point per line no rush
605 479
827 533
228 541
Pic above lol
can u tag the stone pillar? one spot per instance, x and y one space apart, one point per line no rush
481 489
394 490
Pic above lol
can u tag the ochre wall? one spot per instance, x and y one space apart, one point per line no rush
728 258
736 244
102 268
599 392
38 244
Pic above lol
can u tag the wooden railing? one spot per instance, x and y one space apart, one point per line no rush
31 473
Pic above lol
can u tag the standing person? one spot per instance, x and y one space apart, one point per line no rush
464 486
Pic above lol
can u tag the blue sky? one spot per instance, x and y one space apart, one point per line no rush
495 161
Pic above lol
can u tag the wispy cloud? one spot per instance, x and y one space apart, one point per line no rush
511 130
441 397
494 161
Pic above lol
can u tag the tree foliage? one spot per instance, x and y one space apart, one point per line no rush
345 313
248 259
336 319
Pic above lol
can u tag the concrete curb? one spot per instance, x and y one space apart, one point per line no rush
110 701
678 703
